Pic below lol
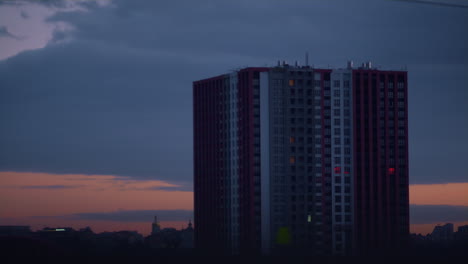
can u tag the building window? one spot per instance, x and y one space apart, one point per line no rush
336 102
336 121
338 218
336 93
346 83
291 82
337 131
292 159
338 150
336 83
336 112
337 199
347 199
337 179
337 141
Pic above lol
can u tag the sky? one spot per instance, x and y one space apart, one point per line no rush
96 97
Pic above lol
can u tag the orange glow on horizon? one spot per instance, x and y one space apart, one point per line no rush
44 194
439 194
25 195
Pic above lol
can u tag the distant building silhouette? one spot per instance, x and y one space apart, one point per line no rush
301 159
170 238
187 236
463 229
442 233
155 226
15 230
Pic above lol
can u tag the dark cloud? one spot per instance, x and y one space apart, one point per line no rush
24 15
136 215
117 98
5 33
54 187
444 4
432 214
172 188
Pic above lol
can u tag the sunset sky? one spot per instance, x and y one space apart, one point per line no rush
96 97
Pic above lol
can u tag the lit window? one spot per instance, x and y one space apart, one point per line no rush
292 160
291 82
391 170
337 169
292 140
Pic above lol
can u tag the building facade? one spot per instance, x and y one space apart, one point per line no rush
300 159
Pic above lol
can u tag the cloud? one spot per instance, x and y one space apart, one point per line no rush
430 214
116 98
74 193
6 34
437 3
24 14
183 188
135 215
49 186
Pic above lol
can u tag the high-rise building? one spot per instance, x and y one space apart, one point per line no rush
300 159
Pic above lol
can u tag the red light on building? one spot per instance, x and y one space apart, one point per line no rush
346 172
337 169
391 170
